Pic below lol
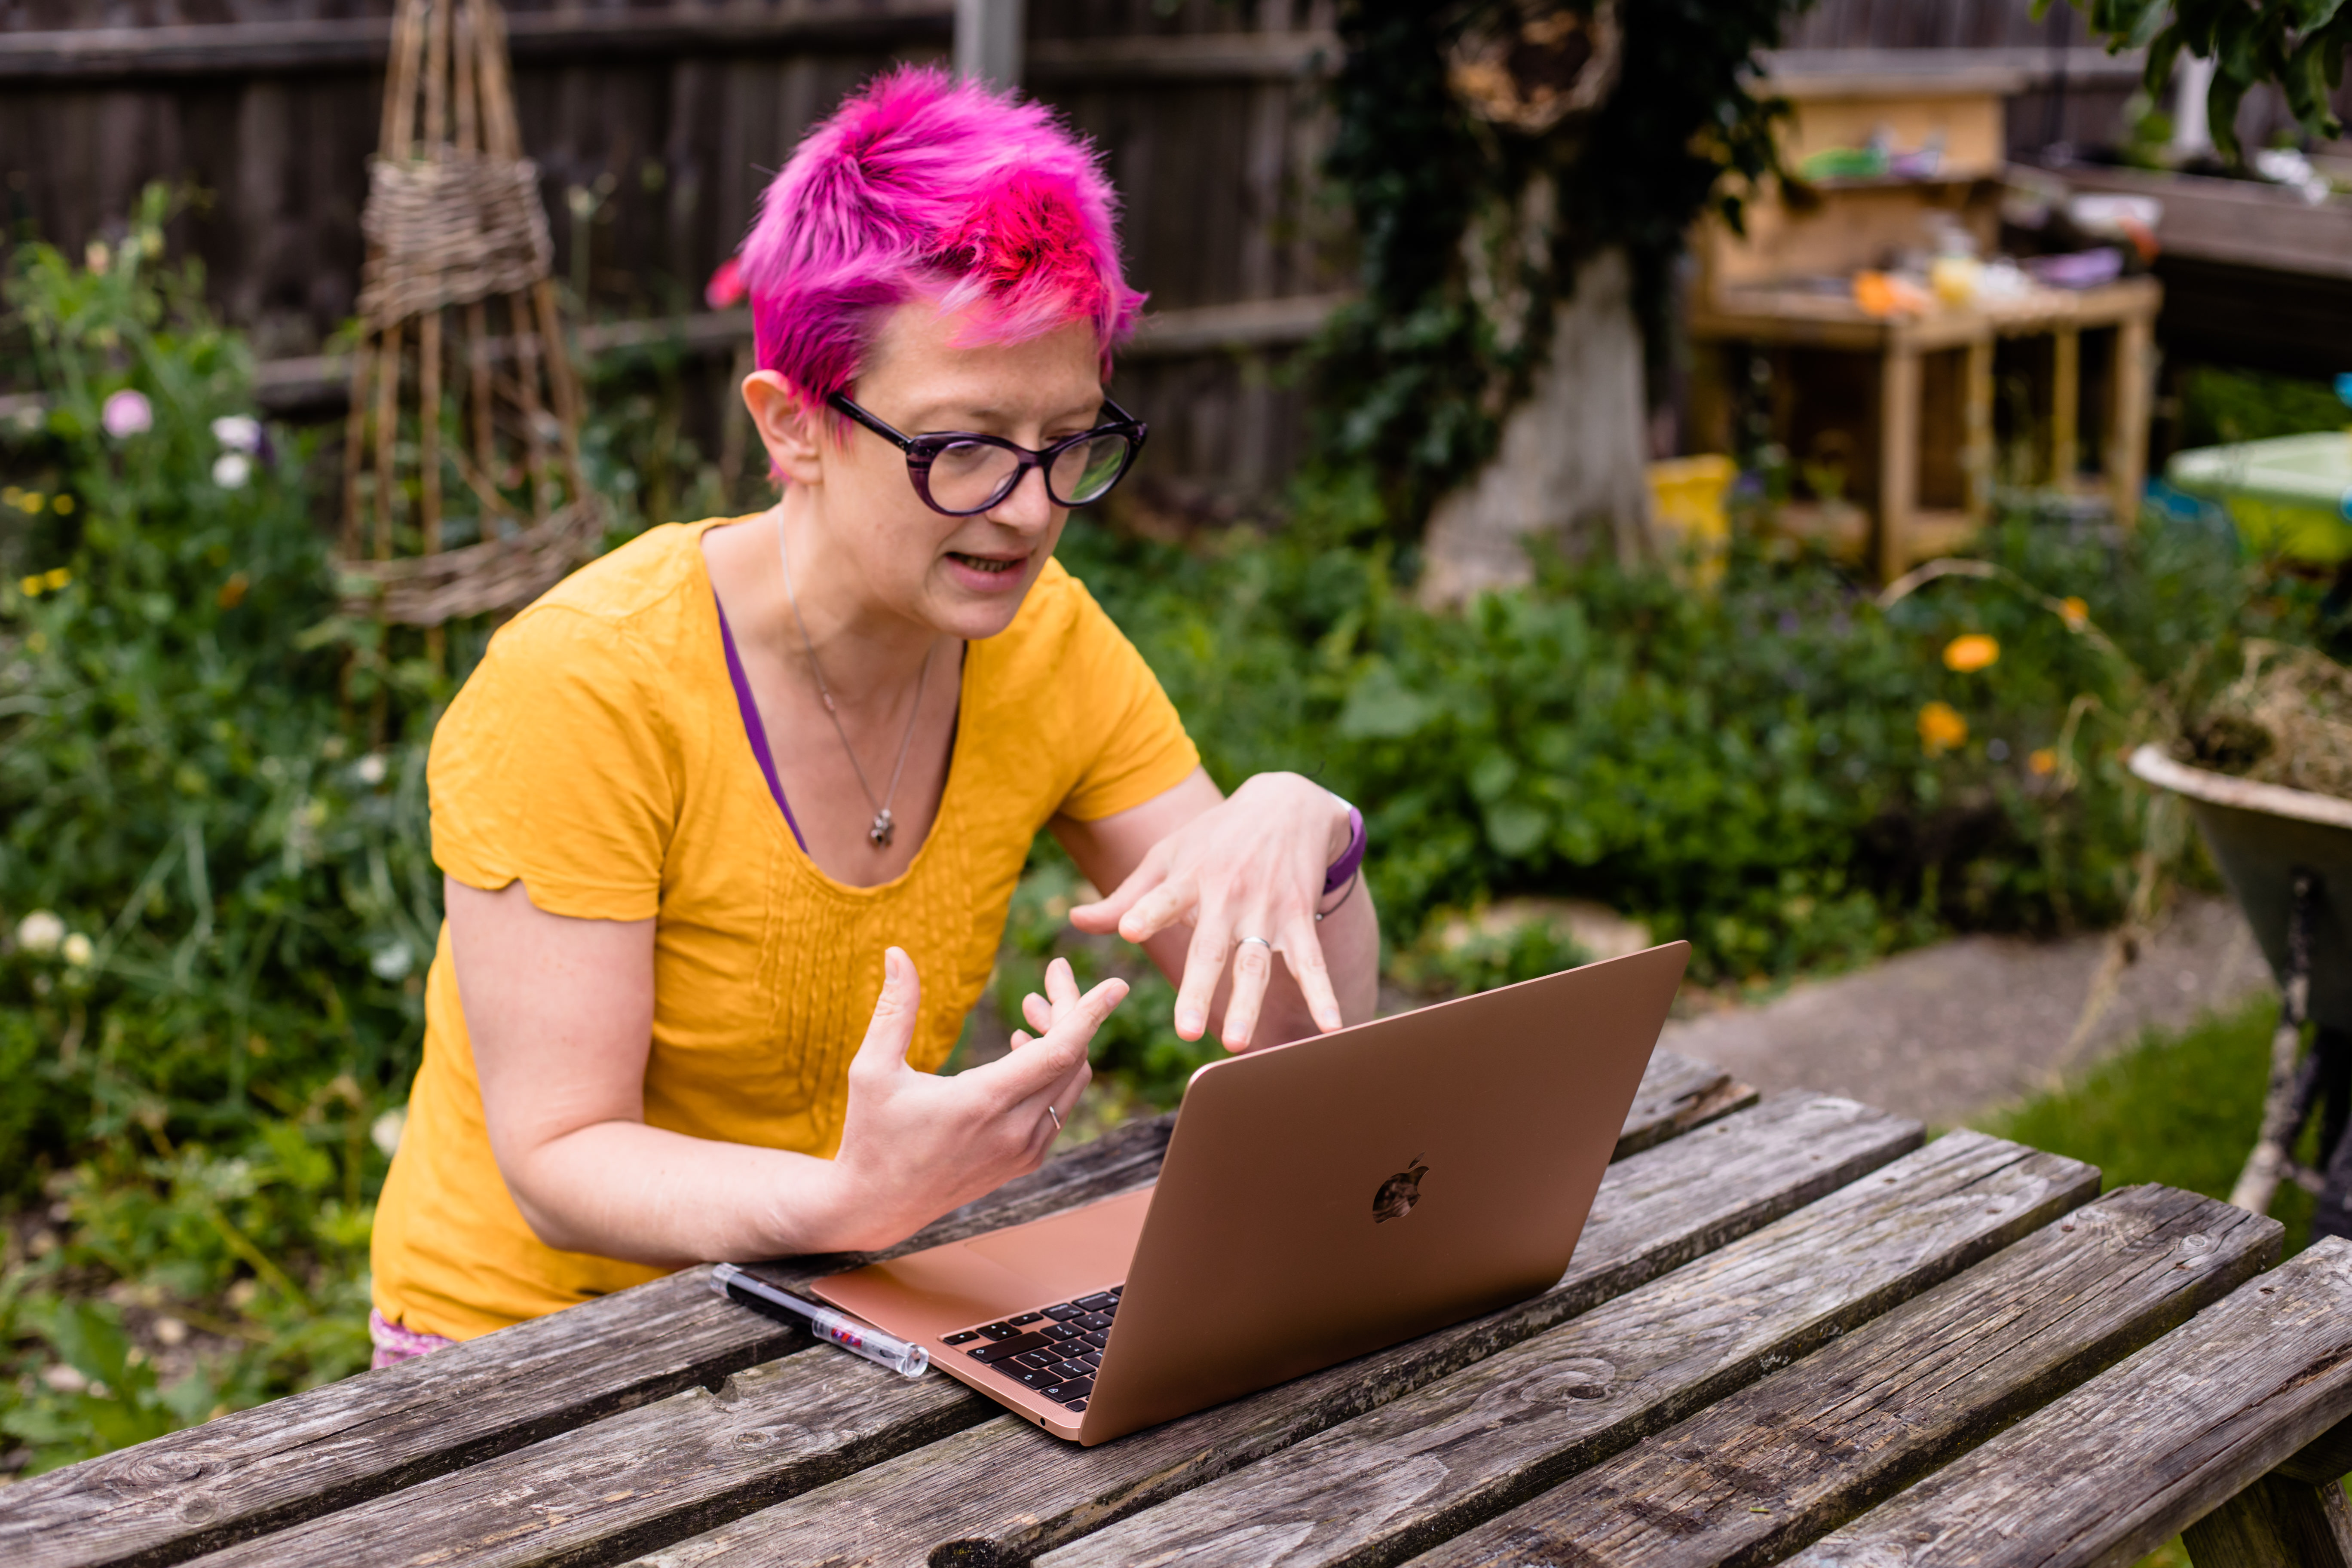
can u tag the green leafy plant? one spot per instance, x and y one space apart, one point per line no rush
1750 769
2297 46
216 899
1459 958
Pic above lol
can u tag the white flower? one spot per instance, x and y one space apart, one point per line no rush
385 1131
77 950
127 412
40 931
238 432
392 960
370 770
231 470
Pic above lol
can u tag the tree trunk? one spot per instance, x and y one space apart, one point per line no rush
1570 463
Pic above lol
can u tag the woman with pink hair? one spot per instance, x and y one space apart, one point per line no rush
730 820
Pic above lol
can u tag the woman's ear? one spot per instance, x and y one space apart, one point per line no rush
792 431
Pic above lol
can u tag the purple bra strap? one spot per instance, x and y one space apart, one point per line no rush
757 732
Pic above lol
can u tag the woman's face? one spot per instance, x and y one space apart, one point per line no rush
965 576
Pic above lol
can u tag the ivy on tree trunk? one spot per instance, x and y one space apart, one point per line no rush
1471 231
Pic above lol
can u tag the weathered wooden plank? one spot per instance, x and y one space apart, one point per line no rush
260 1471
2146 1448
1428 1466
2325 1458
240 49
2273 1522
1676 1095
1785 1460
951 1502
644 1478
1279 56
654 1475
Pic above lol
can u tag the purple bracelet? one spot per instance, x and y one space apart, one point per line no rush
1351 858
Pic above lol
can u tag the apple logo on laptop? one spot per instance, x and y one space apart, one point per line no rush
1398 1193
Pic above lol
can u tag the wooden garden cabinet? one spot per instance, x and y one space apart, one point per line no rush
1908 398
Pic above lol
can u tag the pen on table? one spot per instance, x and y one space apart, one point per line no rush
859 1339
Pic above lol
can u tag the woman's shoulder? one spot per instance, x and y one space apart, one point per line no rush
1062 646
644 577
639 600
1058 612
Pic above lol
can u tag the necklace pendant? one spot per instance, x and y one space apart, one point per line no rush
881 830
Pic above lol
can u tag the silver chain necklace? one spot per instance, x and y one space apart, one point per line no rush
883 827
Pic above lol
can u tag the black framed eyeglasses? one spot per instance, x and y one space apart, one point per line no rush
962 474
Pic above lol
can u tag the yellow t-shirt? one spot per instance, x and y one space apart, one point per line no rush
598 754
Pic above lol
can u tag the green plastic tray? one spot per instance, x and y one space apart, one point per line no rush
2290 495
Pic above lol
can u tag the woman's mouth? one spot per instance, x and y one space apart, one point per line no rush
988 574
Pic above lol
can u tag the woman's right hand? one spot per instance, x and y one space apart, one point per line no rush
915 1145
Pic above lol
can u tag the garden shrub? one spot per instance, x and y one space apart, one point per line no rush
215 900
1744 767
1779 771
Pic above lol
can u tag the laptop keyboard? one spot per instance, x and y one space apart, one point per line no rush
1053 1349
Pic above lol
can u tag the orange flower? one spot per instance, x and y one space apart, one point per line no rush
1941 727
1970 653
2076 614
2042 762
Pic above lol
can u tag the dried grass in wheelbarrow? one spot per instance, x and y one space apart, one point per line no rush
2286 720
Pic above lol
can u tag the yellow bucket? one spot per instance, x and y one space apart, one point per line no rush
1687 509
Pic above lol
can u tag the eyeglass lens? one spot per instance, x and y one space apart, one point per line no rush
969 475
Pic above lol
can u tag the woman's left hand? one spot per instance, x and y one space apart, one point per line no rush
1246 874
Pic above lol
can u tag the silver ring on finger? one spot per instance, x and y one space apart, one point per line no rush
1056 1116
1245 941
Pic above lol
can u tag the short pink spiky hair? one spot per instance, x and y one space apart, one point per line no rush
920 185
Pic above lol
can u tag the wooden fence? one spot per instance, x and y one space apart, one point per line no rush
656 125
656 128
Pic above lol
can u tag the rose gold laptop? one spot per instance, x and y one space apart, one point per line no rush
1320 1200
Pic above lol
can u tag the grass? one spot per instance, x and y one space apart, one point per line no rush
2179 1109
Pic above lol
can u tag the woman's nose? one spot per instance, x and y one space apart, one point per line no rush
1027 508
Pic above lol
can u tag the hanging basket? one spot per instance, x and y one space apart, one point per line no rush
1535 63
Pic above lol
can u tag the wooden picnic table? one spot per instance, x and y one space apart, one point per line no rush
1792 1330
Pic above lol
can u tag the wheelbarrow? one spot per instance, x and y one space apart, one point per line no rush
2286 855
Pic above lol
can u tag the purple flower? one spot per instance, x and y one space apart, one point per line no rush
127 414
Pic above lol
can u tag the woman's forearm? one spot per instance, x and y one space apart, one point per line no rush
621 1189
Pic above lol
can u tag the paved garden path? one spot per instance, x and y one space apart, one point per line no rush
1946 1032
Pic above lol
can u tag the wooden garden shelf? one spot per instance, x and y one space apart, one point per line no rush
1901 533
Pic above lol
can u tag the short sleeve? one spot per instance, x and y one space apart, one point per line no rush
1144 751
556 764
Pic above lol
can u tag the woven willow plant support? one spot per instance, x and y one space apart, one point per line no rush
461 389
